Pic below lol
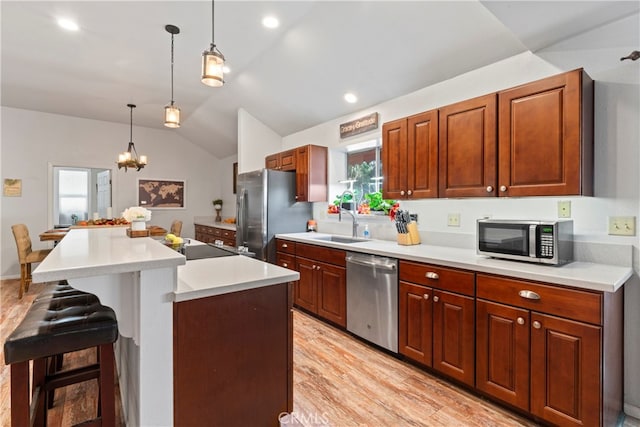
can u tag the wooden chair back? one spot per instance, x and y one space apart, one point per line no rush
176 228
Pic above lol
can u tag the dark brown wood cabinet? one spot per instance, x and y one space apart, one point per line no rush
322 288
233 352
410 157
207 234
541 348
546 137
437 318
309 162
467 148
283 161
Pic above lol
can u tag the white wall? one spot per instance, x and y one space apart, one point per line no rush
31 140
255 142
226 191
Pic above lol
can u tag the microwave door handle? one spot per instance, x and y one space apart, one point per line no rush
532 240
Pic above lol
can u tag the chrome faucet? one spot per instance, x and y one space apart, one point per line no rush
353 213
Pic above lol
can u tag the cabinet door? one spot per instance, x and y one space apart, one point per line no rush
502 352
332 293
305 288
415 322
565 371
302 174
453 335
422 166
541 138
394 159
288 160
272 161
467 148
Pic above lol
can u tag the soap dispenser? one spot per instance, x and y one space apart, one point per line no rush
365 233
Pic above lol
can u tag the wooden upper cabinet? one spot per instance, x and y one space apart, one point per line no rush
284 161
546 137
410 157
311 173
468 148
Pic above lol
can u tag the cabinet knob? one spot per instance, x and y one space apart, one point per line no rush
409 192
285 265
402 192
296 197
537 324
436 299
489 189
425 296
284 245
503 188
432 275
520 321
529 295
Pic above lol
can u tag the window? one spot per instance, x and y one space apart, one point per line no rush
72 190
363 171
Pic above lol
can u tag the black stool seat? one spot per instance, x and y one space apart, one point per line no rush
60 290
61 325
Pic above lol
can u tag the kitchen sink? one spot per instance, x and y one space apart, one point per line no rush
340 239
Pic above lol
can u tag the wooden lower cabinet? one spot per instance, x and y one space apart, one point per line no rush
553 367
322 289
208 234
436 325
233 358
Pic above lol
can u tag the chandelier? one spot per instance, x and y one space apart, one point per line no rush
130 159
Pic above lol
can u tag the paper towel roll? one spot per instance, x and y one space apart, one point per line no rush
109 213
95 216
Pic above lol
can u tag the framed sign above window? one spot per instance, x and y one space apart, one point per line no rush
162 193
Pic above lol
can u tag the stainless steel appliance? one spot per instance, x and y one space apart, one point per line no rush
545 242
372 299
266 205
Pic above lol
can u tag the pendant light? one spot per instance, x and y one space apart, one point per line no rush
171 112
129 158
212 60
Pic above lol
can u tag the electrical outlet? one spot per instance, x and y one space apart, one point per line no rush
564 209
453 220
622 225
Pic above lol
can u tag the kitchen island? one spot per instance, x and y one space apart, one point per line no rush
145 283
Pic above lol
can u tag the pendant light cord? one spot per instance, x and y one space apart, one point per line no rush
172 69
130 124
213 21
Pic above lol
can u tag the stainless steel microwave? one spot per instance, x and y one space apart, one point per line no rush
545 242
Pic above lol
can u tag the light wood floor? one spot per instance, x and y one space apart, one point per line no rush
338 381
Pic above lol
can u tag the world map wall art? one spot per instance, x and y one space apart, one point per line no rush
161 193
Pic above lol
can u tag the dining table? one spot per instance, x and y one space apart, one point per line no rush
57 234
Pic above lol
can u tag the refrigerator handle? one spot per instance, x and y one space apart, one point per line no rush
242 220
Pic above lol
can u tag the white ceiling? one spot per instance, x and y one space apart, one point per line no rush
290 78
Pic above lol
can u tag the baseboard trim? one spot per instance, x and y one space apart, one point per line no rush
632 411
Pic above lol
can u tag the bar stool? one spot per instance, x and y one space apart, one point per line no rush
26 256
57 326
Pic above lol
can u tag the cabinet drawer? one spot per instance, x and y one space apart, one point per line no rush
228 234
570 303
320 253
285 246
286 260
438 277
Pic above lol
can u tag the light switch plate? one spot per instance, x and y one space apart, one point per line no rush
453 220
622 225
564 209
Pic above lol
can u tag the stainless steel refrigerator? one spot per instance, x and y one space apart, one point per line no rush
266 205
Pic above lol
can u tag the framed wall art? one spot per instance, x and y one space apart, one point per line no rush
162 193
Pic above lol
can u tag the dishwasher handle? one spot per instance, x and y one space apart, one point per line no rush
369 263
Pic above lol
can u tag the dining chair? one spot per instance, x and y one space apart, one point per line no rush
176 227
26 256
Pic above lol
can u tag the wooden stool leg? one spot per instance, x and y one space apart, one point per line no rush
23 280
20 394
38 394
107 386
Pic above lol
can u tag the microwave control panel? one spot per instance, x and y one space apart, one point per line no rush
545 237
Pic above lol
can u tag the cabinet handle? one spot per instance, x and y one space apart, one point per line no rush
402 192
529 295
409 192
520 321
489 189
285 265
284 245
503 188
436 299
432 275
537 324
425 296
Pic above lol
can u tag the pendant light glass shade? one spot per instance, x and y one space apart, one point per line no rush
171 112
171 116
213 59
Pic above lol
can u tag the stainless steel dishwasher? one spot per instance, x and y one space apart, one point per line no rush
372 299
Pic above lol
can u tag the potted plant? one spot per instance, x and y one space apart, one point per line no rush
217 205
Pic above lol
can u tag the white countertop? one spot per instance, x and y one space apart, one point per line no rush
585 275
215 276
87 252
212 223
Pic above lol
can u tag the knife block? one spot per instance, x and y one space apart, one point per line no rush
410 238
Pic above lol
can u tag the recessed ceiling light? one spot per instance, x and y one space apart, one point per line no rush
350 98
68 24
270 22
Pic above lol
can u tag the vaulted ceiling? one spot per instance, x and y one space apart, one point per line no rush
290 78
